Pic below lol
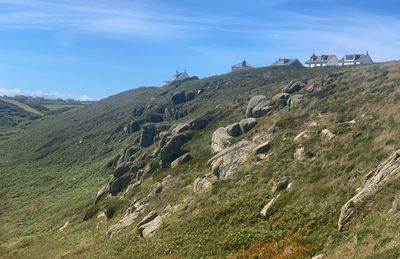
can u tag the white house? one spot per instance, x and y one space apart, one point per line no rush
241 65
179 76
322 61
292 62
356 59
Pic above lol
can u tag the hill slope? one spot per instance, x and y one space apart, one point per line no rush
52 170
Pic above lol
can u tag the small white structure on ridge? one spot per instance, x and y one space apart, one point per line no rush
322 61
179 76
356 59
242 65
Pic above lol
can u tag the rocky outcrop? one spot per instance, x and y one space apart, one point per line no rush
280 99
132 127
261 149
138 111
220 140
282 184
178 97
384 174
180 160
147 136
132 214
117 184
123 168
301 154
327 135
189 96
195 124
101 193
247 124
295 100
234 130
156 118
151 216
230 159
258 106
172 149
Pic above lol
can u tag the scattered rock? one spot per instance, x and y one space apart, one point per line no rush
178 97
200 91
327 135
293 87
384 174
152 215
64 226
148 134
320 256
157 188
260 101
180 160
300 136
234 130
395 207
203 184
282 184
271 130
261 149
247 124
295 100
220 140
301 154
101 193
266 209
129 218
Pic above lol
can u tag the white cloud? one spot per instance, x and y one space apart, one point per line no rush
50 95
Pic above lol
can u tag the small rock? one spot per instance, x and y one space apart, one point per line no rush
327 135
101 193
282 184
157 188
180 160
261 149
220 140
203 184
395 207
320 256
293 87
295 100
280 99
138 111
132 127
156 118
150 228
234 130
300 136
260 101
64 226
147 136
152 215
247 124
265 210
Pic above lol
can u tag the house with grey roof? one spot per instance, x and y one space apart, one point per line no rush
178 76
356 59
242 65
322 61
292 62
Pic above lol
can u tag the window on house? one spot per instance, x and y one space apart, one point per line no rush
349 57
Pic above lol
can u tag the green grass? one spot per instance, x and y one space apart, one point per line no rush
48 178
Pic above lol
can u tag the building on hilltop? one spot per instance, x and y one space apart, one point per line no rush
293 62
322 61
242 65
179 76
356 59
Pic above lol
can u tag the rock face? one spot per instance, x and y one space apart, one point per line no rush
220 140
148 134
172 149
327 135
180 160
189 96
384 174
234 130
178 97
132 127
257 107
247 124
230 159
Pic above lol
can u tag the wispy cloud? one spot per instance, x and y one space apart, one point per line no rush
52 95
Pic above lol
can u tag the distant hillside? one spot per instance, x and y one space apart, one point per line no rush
277 157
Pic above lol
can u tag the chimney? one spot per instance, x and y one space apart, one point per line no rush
366 52
244 63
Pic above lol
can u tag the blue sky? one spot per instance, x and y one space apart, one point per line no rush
89 49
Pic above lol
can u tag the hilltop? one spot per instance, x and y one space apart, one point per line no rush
276 158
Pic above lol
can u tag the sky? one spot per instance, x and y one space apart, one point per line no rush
91 49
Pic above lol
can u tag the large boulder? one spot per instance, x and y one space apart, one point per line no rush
257 106
228 160
203 184
247 124
383 175
178 97
148 134
220 140
234 130
293 86
138 111
282 184
180 160
156 118
117 184
151 227
295 100
122 169
327 135
132 127
262 148
280 99
172 149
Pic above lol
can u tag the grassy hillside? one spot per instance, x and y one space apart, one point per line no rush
51 171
